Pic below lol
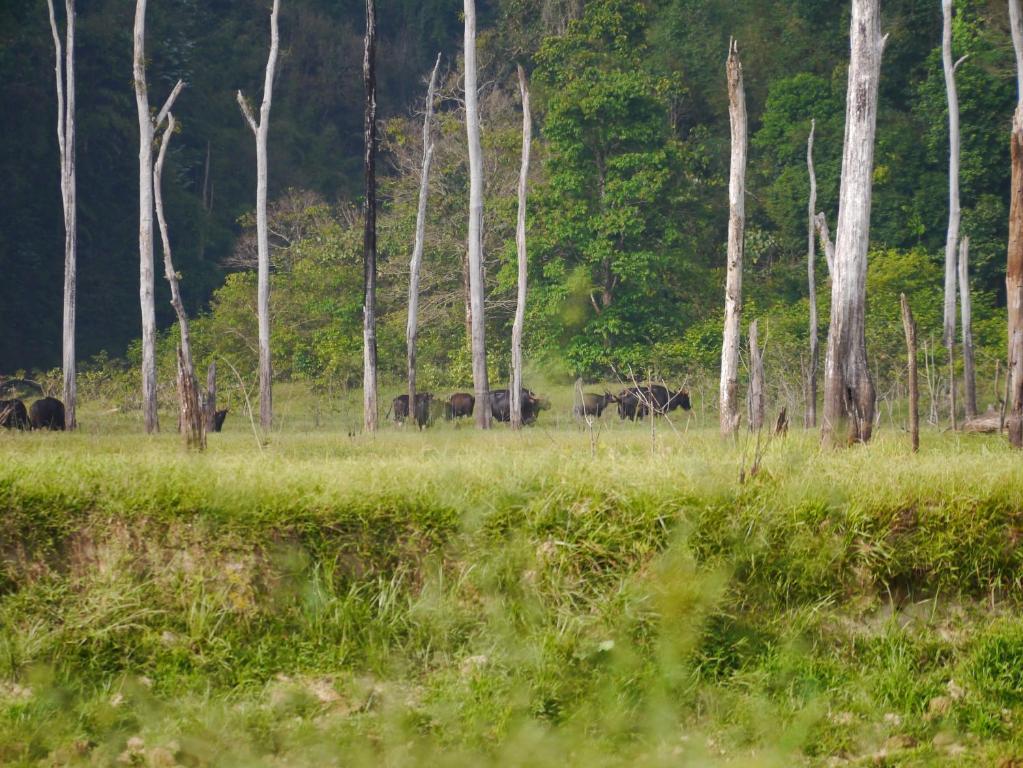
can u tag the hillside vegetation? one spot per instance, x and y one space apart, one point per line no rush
627 208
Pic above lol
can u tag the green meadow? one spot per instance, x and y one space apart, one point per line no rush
621 595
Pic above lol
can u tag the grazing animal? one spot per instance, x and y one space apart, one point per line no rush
461 404
47 413
669 401
630 404
13 414
635 402
218 419
594 405
424 410
500 405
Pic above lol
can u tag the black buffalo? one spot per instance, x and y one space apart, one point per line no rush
218 419
668 401
47 413
500 405
594 405
461 404
423 414
13 414
635 402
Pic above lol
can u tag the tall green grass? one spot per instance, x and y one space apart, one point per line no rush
545 598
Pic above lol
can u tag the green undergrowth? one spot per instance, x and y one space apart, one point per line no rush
540 599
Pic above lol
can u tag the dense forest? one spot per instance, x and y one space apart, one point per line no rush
628 203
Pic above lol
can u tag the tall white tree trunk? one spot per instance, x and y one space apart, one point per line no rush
261 130
821 222
954 210
149 403
810 419
65 76
755 398
520 249
475 244
848 388
729 394
909 326
369 239
192 421
1014 262
412 328
969 376
147 126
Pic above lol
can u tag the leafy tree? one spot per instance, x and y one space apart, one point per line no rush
613 196
779 152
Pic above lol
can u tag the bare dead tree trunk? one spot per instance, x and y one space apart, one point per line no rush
192 423
412 329
261 130
1014 262
1014 420
65 77
211 396
369 238
756 381
810 419
821 222
205 192
168 261
954 210
781 426
472 127
969 375
520 247
848 388
909 326
149 404
466 294
729 394
950 350
147 126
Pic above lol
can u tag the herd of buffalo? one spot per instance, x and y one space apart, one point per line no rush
633 403
48 413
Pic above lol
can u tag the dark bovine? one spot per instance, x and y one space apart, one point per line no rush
629 403
594 405
635 402
423 414
13 414
500 405
47 413
669 401
218 419
461 404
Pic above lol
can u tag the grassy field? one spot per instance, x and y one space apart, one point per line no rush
555 597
